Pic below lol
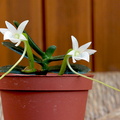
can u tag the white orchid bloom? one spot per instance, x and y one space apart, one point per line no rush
80 53
13 34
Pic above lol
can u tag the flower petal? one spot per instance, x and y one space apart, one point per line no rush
18 43
3 30
71 52
10 27
22 26
22 37
90 51
73 59
14 40
83 56
8 35
74 43
84 47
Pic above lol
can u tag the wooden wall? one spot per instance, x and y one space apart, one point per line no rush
107 34
52 22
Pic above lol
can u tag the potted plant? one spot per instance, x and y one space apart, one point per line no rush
31 94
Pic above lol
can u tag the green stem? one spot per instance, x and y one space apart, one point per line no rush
30 68
30 55
36 48
90 77
24 52
64 64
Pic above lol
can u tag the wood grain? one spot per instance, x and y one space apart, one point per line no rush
52 22
20 11
3 51
107 35
65 18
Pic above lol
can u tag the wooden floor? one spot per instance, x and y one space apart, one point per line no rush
103 102
1 115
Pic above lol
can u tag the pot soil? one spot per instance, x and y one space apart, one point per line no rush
44 97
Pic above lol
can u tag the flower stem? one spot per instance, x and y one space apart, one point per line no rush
24 52
64 64
90 77
29 68
30 55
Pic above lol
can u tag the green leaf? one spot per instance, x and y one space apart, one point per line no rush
82 69
17 70
57 58
19 50
49 52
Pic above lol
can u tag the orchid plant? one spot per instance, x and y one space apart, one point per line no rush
17 35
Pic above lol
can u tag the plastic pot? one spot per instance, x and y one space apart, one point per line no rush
44 97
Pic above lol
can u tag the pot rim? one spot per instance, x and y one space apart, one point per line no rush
47 75
49 82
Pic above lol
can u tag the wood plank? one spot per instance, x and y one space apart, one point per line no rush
107 34
3 51
20 11
65 18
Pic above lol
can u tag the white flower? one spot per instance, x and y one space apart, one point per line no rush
13 34
80 53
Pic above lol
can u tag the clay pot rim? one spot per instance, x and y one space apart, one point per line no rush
45 82
47 75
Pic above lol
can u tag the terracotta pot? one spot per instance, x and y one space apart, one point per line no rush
44 97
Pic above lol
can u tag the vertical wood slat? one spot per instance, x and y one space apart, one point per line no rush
65 18
20 11
107 35
3 52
